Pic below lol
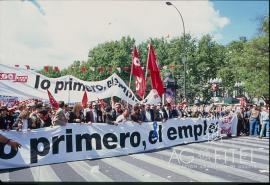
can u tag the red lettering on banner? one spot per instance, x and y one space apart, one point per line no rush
7 76
21 79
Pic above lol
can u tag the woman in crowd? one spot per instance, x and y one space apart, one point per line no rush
136 115
254 121
76 115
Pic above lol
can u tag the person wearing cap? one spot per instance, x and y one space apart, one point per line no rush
6 121
60 117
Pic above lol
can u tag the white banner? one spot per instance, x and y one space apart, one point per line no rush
152 98
77 142
25 83
228 125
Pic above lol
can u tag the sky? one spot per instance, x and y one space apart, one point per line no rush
38 33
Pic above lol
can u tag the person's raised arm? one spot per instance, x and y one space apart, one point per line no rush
14 144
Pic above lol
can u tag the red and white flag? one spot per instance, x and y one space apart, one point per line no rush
154 71
53 102
242 102
137 71
84 100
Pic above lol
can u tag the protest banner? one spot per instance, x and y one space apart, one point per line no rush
77 142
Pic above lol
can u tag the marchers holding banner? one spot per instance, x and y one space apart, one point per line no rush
77 142
25 83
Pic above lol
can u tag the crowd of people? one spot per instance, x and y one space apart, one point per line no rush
253 120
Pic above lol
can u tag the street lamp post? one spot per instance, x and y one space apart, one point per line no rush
238 86
215 83
184 60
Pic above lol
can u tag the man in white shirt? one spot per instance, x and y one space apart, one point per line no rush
123 117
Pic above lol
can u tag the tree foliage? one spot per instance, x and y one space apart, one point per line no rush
241 60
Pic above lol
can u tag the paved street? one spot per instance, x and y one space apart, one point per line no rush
241 159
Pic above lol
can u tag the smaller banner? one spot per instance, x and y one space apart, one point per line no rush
8 101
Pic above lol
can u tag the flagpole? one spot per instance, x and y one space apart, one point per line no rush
68 96
130 76
146 70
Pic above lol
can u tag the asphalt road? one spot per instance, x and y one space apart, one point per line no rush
241 159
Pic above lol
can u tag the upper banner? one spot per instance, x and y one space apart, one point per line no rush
77 142
25 83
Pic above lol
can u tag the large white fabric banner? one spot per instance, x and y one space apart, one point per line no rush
25 83
77 142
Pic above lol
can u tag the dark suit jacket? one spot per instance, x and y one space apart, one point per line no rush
136 117
90 116
143 114
60 118
115 114
73 117
160 117
6 121
174 113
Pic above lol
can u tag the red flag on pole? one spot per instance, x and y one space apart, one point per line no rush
154 72
83 69
56 69
110 69
84 100
137 71
101 69
53 102
46 68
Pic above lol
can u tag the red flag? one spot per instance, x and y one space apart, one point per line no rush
83 69
53 102
137 71
46 68
84 100
101 69
154 72
56 69
110 69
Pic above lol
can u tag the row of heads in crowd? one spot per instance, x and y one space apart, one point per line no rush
41 115
43 108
